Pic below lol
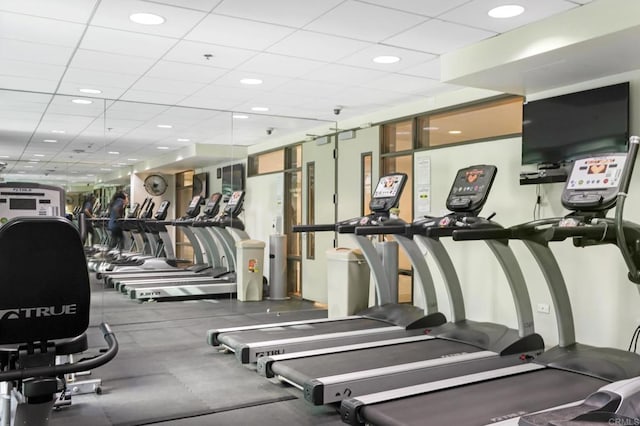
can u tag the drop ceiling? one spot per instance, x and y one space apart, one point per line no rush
311 55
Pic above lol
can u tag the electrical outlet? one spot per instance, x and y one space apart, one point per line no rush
544 308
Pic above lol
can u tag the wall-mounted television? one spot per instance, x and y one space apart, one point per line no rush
232 179
562 128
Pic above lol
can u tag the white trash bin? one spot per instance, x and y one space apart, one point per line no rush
249 270
347 282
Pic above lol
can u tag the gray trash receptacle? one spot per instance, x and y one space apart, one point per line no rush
347 282
249 269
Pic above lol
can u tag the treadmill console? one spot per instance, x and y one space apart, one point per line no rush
134 209
213 205
147 212
234 205
161 213
593 182
30 199
470 188
387 192
194 207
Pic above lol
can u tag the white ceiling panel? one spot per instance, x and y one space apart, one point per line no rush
73 89
436 36
232 79
115 14
235 32
98 79
24 83
39 30
192 52
432 8
403 84
316 46
363 21
213 102
429 69
109 62
179 87
134 111
28 70
287 66
36 53
344 74
408 58
153 97
298 13
205 5
64 105
126 42
64 10
475 13
302 88
185 72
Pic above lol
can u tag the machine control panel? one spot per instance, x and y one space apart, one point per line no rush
161 213
213 205
387 192
593 182
30 199
234 205
194 207
470 188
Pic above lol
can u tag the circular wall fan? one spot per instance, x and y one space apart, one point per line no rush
155 185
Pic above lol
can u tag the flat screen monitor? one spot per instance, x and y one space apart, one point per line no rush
562 128
232 179
388 186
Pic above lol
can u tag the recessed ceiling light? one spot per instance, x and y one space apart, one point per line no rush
455 132
183 140
28 167
251 81
260 109
240 116
506 11
90 175
162 147
82 101
91 91
49 140
165 126
429 128
104 169
386 59
38 155
146 19
132 159
57 131
114 153
4 156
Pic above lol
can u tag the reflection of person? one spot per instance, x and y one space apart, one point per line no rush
87 209
597 168
116 211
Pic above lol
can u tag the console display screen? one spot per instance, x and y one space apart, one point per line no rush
597 172
235 198
388 186
470 181
22 203
194 202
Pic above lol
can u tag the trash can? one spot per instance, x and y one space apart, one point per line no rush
278 267
249 269
347 282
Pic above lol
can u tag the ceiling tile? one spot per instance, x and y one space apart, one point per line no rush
24 83
298 13
115 14
179 87
39 30
344 74
28 70
134 111
185 72
73 89
268 63
64 10
431 8
109 62
236 32
304 87
98 79
205 5
223 104
436 36
403 84
320 47
430 69
153 97
34 52
232 79
475 14
222 57
126 43
363 21
364 58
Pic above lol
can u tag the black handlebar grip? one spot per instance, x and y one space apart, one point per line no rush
384 229
314 228
481 234
593 232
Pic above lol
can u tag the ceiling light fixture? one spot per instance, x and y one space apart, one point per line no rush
506 11
162 147
260 109
146 19
114 153
49 140
386 59
57 131
132 159
455 132
251 81
82 101
38 155
165 126
91 91
240 116
4 156
105 170
183 140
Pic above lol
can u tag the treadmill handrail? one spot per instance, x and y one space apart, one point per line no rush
398 229
314 228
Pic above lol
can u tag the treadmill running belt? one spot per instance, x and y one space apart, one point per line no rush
485 402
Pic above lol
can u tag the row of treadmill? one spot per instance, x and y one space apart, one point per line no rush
398 364
149 269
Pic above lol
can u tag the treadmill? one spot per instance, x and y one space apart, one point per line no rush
461 347
387 320
204 284
563 374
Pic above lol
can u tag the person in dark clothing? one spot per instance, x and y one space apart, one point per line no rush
116 211
87 209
